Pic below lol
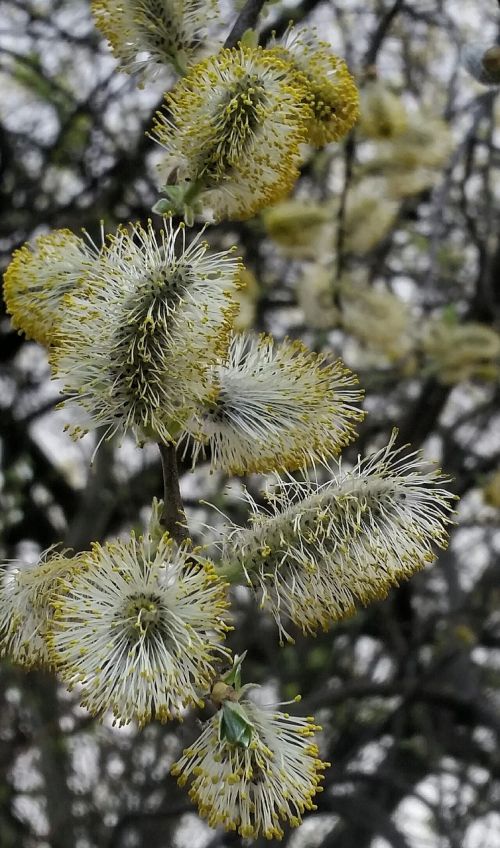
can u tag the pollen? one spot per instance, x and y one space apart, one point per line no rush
231 132
148 35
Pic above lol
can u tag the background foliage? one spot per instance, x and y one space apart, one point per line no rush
408 690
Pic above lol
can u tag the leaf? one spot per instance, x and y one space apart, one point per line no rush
235 726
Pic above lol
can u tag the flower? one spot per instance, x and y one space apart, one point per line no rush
335 98
425 144
38 277
246 299
147 35
491 490
134 349
369 217
25 612
458 352
231 132
408 161
321 548
303 229
317 296
383 114
400 185
139 625
278 406
377 318
254 782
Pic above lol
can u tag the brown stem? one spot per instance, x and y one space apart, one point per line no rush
350 152
246 20
173 516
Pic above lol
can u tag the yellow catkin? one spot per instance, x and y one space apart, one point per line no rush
231 131
38 278
331 87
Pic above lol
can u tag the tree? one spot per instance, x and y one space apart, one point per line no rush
387 255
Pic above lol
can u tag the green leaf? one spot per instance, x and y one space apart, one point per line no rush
250 38
163 207
235 726
233 677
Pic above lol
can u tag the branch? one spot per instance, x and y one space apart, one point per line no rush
173 517
247 19
350 152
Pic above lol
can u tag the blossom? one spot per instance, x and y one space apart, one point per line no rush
246 299
400 185
133 350
303 229
321 548
25 612
277 406
491 490
368 217
38 277
383 113
256 784
335 97
408 161
374 316
146 35
138 624
318 296
231 132
459 352
377 318
426 143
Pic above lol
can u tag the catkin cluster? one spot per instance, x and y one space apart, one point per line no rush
140 330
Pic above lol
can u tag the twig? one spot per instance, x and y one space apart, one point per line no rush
173 516
247 19
350 148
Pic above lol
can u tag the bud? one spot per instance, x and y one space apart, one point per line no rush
133 351
369 217
277 406
317 294
25 607
377 318
482 63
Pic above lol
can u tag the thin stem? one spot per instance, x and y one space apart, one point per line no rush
173 516
247 19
